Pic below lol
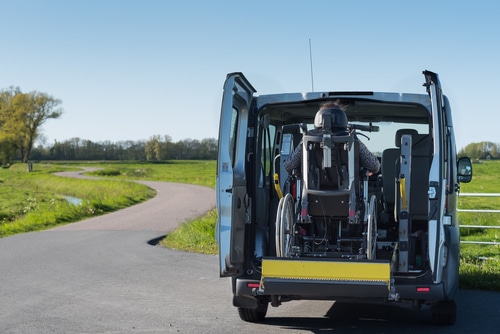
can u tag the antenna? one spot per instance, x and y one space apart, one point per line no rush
311 61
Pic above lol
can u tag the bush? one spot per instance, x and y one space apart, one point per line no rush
107 172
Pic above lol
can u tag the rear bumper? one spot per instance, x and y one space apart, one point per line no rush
324 289
430 292
246 293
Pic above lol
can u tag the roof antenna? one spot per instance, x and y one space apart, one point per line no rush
311 61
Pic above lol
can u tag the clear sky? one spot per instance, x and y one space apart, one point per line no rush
128 70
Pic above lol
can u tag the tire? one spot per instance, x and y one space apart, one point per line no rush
286 226
277 234
254 314
371 233
444 313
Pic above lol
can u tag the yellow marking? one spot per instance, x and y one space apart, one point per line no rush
402 190
277 186
326 270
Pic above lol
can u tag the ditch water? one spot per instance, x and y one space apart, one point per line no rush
73 200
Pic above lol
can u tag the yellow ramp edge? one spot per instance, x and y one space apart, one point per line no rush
326 270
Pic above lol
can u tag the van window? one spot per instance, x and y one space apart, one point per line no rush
386 136
266 159
232 135
287 145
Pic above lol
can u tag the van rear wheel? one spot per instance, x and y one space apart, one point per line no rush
254 314
444 313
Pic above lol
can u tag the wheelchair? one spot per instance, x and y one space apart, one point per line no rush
330 213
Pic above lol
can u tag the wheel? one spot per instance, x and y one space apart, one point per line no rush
371 235
277 233
444 313
254 314
286 226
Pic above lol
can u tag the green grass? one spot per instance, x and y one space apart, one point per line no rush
480 264
35 201
196 236
196 172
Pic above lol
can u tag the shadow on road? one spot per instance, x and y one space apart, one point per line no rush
344 317
156 241
478 312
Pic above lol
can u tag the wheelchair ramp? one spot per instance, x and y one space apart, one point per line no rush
322 278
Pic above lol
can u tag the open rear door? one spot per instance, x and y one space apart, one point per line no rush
232 199
437 190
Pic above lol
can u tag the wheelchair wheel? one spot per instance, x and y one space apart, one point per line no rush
284 226
277 234
371 234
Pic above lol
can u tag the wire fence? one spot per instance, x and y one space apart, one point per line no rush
479 211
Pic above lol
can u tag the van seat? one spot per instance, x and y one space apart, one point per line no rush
390 159
419 174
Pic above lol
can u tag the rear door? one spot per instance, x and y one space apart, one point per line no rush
232 199
437 181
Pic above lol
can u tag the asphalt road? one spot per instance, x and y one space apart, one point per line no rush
105 275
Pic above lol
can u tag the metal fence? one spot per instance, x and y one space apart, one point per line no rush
478 210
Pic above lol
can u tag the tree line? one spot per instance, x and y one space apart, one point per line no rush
481 151
157 148
23 114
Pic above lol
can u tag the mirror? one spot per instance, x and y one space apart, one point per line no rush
464 170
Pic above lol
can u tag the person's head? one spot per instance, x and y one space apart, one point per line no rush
333 112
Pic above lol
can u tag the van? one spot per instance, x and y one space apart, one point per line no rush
388 237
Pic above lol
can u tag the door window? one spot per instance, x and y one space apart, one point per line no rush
232 135
267 153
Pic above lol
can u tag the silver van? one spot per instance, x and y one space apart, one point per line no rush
389 237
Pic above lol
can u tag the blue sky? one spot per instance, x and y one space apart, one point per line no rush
127 70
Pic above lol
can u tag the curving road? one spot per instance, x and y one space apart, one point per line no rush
104 275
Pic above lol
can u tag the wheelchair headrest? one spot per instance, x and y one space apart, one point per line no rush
330 118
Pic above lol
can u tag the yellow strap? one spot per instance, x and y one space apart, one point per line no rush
402 190
277 186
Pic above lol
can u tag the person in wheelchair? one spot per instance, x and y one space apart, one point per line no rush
331 211
367 159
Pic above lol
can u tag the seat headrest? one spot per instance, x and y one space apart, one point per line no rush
402 132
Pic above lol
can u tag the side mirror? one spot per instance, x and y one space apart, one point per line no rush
464 170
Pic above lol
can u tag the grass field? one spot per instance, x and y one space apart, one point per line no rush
39 200
480 264
34 201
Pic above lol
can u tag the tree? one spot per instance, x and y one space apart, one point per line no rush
10 125
21 117
482 150
155 148
35 109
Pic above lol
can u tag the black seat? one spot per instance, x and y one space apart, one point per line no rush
390 174
420 158
420 165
